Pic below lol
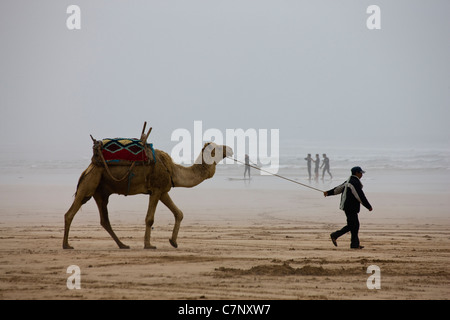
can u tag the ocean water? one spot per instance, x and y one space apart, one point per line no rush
388 169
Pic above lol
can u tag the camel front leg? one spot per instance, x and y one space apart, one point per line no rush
165 198
150 218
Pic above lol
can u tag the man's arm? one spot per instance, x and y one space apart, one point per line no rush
364 200
361 197
339 189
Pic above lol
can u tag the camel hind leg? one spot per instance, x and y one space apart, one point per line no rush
87 184
102 202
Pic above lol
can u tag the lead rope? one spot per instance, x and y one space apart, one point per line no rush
276 175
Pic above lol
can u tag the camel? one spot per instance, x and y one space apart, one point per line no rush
155 179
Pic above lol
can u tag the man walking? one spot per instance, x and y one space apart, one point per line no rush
316 167
308 164
247 166
351 198
326 166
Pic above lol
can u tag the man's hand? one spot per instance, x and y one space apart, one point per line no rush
325 193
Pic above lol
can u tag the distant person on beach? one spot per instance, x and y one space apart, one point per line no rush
316 167
308 163
326 166
352 197
247 166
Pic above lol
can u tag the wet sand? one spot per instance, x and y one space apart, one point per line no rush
233 244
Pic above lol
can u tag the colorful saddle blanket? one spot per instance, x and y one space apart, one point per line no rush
117 149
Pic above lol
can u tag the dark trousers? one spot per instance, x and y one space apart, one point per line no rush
352 226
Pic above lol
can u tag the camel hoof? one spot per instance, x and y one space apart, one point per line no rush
124 247
149 247
173 243
66 246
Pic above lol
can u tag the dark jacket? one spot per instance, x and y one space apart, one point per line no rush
352 195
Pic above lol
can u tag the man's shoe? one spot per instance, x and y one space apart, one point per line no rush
333 240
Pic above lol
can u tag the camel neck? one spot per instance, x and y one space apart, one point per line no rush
189 177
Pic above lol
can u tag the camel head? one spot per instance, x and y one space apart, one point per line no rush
213 153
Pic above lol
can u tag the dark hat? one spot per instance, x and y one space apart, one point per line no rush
357 170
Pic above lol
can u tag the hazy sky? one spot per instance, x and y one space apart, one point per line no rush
311 69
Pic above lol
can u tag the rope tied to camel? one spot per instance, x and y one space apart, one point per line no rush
107 167
274 174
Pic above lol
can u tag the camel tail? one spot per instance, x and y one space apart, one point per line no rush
80 181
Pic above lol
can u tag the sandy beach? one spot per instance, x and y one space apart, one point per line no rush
235 242
306 89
